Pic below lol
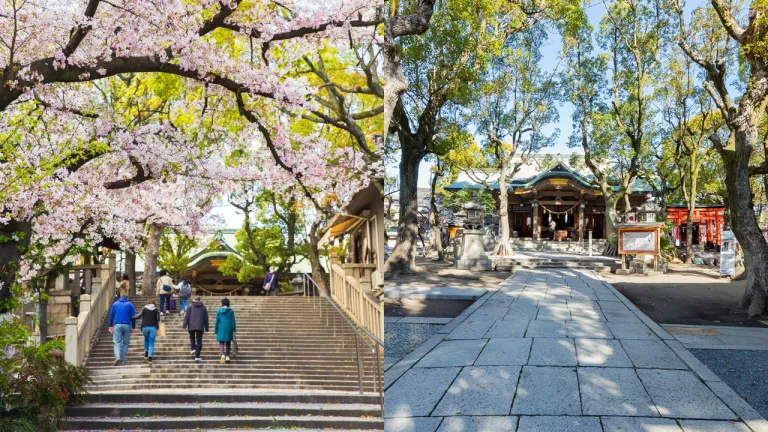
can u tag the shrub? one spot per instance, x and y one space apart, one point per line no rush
35 386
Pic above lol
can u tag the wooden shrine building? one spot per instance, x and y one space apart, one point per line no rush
561 195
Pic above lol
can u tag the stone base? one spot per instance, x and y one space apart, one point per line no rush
474 264
623 271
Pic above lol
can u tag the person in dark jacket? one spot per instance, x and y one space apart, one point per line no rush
121 325
270 282
150 321
225 328
196 322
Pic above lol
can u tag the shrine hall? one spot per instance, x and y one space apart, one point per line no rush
561 195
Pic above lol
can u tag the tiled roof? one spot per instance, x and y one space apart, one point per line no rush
560 170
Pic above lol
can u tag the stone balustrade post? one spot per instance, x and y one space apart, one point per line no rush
96 285
85 304
72 351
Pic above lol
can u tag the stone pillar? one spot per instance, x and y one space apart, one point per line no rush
581 221
71 354
536 232
95 288
85 303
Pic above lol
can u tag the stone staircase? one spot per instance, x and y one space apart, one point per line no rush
581 248
296 368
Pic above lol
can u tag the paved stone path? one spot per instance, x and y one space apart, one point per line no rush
558 350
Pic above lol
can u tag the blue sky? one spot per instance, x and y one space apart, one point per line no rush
549 62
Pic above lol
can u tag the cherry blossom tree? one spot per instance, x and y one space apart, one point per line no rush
75 171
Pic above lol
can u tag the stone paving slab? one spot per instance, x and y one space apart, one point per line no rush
453 353
412 424
713 426
614 391
471 328
478 424
679 394
631 331
651 354
507 329
552 352
588 329
505 352
417 392
621 316
559 424
639 424
546 329
547 391
601 352
480 390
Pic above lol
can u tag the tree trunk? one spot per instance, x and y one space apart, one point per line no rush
611 215
689 235
502 247
150 260
17 234
744 221
130 270
435 225
318 273
43 319
402 259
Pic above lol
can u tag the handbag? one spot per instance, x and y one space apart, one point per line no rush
161 330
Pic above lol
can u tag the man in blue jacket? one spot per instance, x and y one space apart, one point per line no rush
121 325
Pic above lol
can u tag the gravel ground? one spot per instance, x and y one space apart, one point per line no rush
401 339
745 371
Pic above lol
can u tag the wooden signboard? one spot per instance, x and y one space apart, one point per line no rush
639 239
638 242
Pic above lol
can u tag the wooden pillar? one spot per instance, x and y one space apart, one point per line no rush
581 221
536 231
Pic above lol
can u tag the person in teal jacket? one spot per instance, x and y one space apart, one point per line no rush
225 329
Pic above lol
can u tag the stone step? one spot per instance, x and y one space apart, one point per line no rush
235 386
214 422
254 409
170 380
211 359
210 396
296 369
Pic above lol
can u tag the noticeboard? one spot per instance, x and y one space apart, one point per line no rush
639 241
728 251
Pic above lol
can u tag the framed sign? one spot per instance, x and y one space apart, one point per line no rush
640 240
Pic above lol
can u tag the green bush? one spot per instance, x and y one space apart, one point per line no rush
35 386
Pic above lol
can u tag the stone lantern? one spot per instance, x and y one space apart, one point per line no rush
474 211
648 211
472 255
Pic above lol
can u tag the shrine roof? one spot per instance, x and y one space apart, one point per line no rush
559 170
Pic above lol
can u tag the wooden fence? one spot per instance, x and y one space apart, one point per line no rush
351 289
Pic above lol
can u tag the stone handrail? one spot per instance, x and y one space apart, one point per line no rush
351 289
81 329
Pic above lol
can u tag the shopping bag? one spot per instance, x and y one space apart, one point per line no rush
161 330
234 344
